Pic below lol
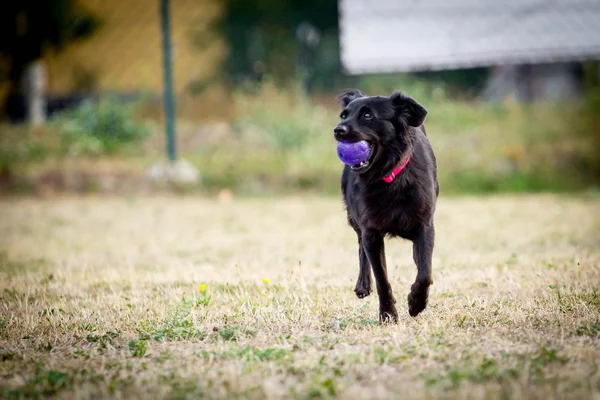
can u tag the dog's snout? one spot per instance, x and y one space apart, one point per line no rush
340 130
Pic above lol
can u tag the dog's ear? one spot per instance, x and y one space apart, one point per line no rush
409 109
345 98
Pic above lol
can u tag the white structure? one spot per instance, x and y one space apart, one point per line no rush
419 35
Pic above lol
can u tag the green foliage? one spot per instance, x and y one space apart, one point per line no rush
44 383
180 324
384 355
102 127
230 333
106 127
285 121
105 341
544 357
507 367
138 348
20 145
203 299
385 84
591 330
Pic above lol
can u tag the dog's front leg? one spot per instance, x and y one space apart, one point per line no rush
374 248
422 251
363 283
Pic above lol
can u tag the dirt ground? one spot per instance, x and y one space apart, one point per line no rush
181 297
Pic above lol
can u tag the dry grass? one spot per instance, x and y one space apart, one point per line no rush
103 298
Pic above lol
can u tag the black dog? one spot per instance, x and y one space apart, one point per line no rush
393 193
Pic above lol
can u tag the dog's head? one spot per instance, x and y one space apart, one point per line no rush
386 123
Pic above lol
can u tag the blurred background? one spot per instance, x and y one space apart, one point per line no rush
512 89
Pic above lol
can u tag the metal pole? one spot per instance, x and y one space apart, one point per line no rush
168 80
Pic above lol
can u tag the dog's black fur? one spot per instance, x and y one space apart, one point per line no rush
405 207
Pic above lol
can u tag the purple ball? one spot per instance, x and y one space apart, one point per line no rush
353 153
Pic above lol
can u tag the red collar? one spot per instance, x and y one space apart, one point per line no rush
395 172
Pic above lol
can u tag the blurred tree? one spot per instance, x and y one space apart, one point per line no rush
30 27
284 39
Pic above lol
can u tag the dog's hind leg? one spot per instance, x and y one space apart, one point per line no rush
422 251
374 248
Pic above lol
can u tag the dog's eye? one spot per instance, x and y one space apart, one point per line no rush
343 115
367 115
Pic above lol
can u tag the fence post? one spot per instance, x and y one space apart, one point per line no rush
36 78
168 80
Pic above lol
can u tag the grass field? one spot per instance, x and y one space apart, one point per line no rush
175 297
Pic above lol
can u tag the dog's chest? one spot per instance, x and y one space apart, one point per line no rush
394 215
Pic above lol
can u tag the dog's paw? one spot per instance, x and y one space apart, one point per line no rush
362 291
389 316
362 288
417 299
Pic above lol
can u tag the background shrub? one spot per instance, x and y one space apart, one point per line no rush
102 127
